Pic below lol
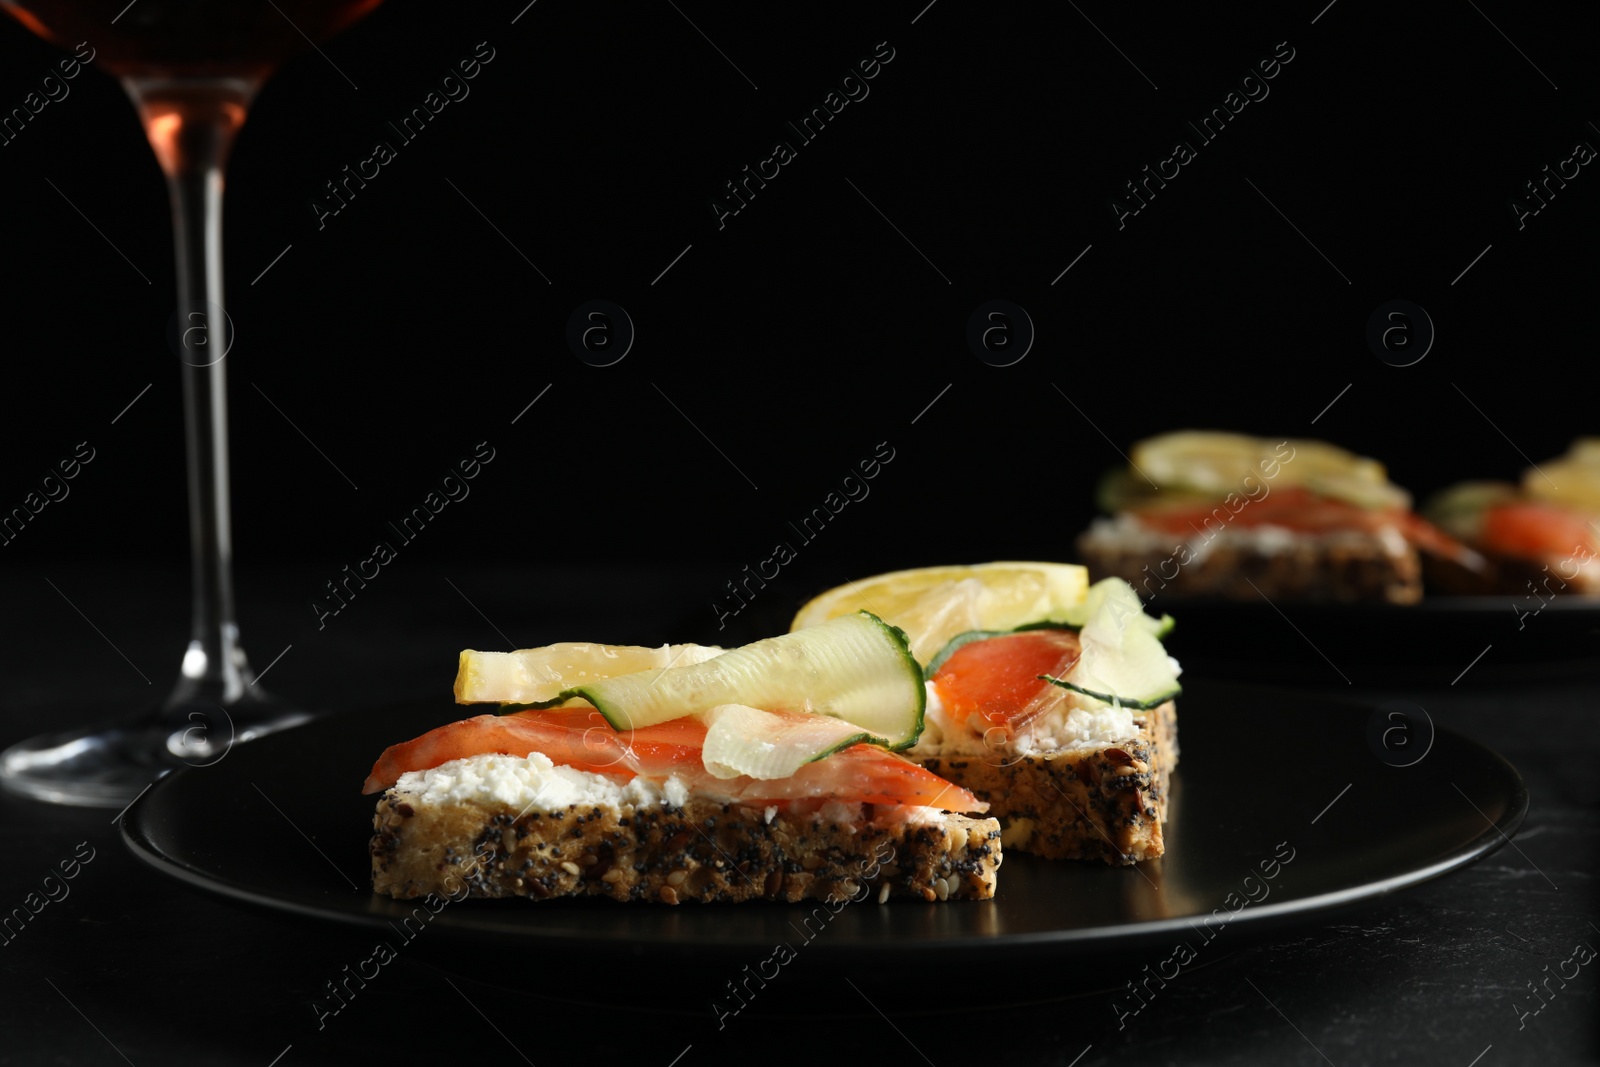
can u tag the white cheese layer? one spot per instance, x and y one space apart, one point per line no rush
1124 532
533 782
850 814
1073 721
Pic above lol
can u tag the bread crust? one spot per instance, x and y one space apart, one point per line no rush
1106 802
1345 567
704 851
1518 576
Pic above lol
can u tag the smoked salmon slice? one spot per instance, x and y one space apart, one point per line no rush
580 738
997 678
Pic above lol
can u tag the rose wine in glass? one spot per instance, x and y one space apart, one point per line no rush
191 67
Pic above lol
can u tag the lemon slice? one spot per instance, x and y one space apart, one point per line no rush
1586 450
1211 461
1205 460
535 675
934 604
1572 480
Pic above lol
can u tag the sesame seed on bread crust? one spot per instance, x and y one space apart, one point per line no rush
706 850
1101 802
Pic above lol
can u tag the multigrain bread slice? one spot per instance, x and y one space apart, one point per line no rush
1103 801
702 850
1249 563
1574 574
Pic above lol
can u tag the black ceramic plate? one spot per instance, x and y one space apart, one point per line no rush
1284 806
1431 642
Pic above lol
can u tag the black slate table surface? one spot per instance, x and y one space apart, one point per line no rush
132 967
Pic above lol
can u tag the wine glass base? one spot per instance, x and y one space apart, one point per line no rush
109 765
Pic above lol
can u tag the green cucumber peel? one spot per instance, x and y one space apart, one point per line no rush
952 646
862 738
914 669
512 709
1160 627
1112 699
956 643
543 705
617 717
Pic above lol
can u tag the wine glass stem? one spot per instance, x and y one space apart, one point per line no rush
191 125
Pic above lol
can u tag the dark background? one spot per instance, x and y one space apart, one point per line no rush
797 338
807 330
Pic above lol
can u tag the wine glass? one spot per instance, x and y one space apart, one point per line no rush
192 68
